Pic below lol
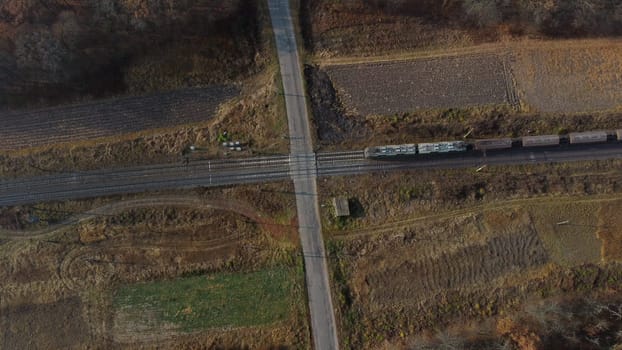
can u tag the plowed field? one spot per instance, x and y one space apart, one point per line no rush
469 265
21 129
405 86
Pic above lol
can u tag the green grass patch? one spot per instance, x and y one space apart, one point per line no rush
211 301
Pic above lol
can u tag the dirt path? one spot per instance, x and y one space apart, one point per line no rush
491 48
158 201
393 226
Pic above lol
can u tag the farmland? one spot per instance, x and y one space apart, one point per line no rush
103 267
400 87
23 129
419 254
570 77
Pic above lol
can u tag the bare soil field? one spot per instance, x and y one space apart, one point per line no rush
570 77
24 129
46 330
399 87
420 254
82 265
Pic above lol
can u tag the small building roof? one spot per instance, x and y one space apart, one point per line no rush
342 208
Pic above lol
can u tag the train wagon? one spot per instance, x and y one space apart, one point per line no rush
587 137
619 135
442 147
491 144
391 151
540 140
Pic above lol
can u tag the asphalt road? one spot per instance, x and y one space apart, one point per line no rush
304 171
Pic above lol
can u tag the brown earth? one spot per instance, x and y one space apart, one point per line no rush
363 28
478 263
45 329
400 87
59 280
558 72
422 254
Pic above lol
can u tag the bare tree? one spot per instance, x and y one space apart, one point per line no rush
483 12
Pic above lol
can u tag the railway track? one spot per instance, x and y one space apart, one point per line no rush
222 172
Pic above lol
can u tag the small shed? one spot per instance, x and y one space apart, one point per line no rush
342 208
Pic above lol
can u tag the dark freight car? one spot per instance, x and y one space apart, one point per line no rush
540 140
490 144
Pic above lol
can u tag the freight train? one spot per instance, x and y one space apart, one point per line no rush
445 147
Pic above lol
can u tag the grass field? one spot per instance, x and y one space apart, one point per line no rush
574 242
572 77
226 300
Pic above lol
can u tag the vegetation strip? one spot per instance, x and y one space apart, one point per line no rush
212 301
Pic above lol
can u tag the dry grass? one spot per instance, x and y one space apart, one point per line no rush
472 266
573 243
391 198
580 76
609 230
